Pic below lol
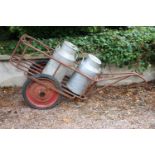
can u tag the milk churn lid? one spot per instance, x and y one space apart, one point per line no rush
94 58
71 45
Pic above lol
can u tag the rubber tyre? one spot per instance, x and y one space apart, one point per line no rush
29 82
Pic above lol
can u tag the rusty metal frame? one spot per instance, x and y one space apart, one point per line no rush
23 63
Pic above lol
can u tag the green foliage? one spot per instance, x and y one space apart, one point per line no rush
53 31
4 33
6 47
134 47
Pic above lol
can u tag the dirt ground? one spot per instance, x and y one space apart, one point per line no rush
116 107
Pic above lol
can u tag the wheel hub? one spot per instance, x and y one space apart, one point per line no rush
42 94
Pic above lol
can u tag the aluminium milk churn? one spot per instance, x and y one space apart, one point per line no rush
67 54
91 67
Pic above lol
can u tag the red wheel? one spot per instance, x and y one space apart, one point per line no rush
39 96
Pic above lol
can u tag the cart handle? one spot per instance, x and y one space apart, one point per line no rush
125 74
121 78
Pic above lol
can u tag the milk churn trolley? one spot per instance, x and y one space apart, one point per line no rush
43 91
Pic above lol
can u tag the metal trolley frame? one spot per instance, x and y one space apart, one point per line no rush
20 60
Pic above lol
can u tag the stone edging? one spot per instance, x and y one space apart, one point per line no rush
11 76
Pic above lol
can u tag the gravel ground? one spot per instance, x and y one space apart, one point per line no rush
116 107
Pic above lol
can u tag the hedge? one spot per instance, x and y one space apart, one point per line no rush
47 31
134 47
